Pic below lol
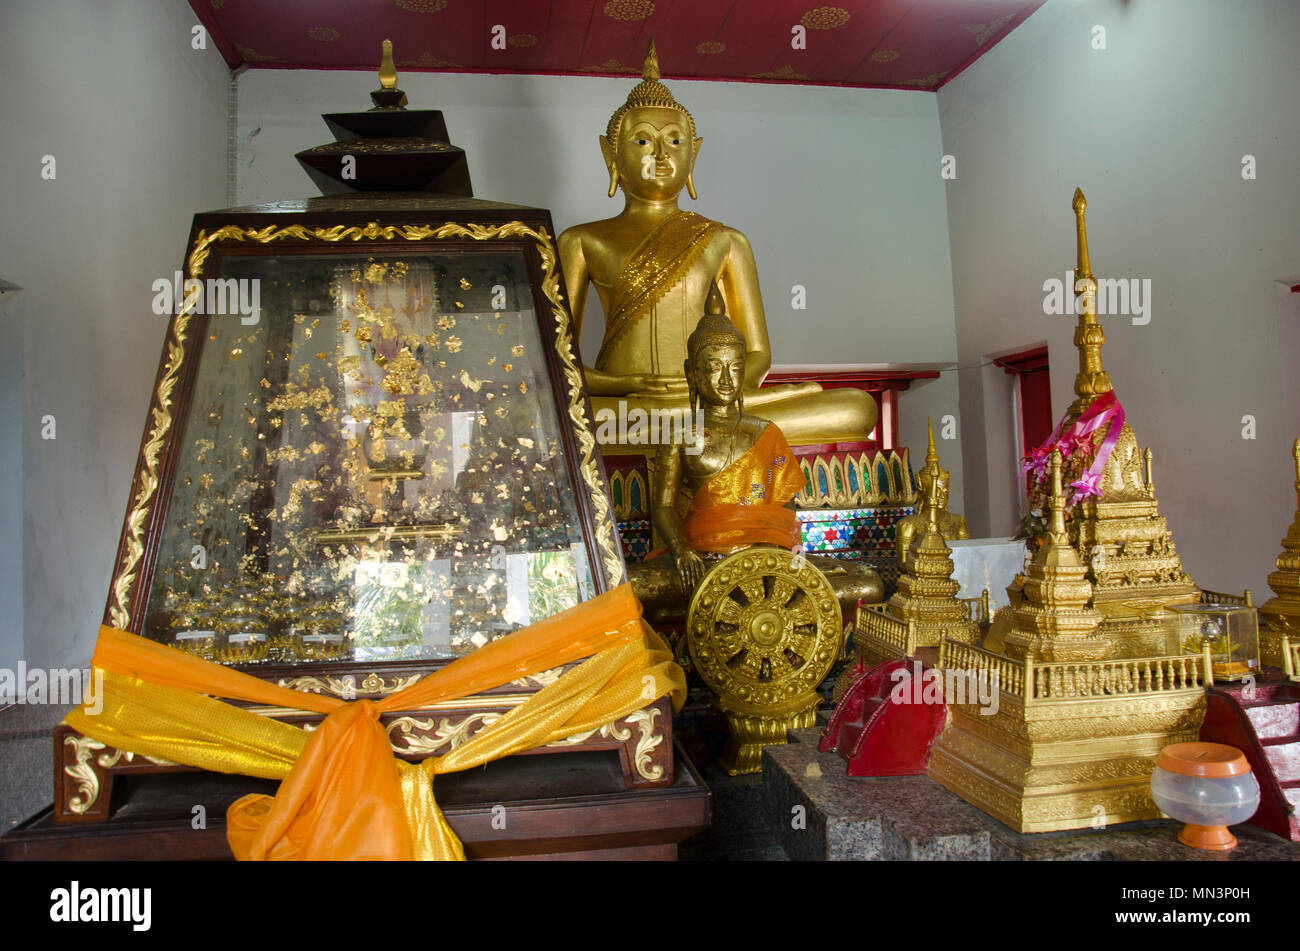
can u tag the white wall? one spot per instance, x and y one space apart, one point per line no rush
837 189
135 119
1153 129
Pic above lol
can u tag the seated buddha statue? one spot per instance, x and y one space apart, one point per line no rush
933 482
652 266
741 477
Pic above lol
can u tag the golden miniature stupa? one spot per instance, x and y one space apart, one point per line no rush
925 609
1280 615
1090 684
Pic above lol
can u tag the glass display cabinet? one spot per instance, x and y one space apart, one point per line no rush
369 452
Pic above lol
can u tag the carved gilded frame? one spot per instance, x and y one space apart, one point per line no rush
133 567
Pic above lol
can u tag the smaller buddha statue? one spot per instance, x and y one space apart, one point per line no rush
741 476
951 525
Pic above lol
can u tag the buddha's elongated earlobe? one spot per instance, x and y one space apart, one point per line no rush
613 180
690 176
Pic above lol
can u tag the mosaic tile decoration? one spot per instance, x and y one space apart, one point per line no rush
636 540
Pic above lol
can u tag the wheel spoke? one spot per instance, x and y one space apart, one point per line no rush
753 588
782 589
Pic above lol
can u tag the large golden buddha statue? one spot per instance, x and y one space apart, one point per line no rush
653 265
741 477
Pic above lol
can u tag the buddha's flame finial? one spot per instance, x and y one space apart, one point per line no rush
1091 381
1056 502
387 70
714 304
650 66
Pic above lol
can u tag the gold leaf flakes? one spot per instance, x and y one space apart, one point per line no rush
236 353
460 305
501 329
499 531
446 322
523 387
525 442
345 326
363 334
465 285
454 344
321 355
469 382
517 350
507 367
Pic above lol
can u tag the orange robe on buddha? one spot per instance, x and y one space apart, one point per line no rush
745 503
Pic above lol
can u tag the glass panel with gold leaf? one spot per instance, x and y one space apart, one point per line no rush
373 470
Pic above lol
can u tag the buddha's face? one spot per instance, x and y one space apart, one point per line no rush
654 153
718 373
925 480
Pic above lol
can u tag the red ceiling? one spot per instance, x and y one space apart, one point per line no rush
909 44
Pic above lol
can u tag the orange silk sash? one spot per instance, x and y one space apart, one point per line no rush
745 503
343 793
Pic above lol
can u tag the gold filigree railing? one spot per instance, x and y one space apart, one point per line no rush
884 627
1011 674
1120 677
1037 683
1244 600
1291 657
977 609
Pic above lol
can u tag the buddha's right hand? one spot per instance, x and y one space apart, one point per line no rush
690 567
649 384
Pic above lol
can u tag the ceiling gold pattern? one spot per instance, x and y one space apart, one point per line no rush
825 18
629 9
986 31
325 34
709 47
422 6
884 56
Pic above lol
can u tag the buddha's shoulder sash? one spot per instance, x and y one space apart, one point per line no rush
745 503
766 472
658 264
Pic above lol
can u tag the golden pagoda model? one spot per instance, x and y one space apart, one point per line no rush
925 608
1090 687
1281 614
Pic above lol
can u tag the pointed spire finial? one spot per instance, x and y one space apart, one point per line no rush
1056 501
1295 451
1091 381
931 454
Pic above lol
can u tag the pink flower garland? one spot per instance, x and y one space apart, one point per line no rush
1104 411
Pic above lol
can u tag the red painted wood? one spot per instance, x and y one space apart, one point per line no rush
879 729
1227 721
905 44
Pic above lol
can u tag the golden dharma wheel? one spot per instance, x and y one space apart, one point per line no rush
764 630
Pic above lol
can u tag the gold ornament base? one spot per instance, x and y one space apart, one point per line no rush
1274 626
748 735
1069 745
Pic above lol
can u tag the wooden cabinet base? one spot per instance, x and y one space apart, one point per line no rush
560 806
